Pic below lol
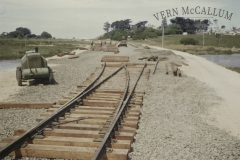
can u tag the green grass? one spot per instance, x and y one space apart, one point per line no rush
227 45
234 69
209 40
12 48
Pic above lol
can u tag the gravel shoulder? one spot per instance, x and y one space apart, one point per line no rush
225 83
172 124
177 119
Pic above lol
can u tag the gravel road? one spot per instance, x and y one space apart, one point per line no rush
174 112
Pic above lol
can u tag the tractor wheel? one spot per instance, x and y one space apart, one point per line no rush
51 78
19 77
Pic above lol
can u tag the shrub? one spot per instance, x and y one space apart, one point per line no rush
117 36
227 52
187 41
159 32
136 37
173 29
168 31
210 49
46 35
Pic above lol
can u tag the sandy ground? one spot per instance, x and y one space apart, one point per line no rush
8 83
225 82
8 80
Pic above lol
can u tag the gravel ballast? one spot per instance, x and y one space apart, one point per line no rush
173 124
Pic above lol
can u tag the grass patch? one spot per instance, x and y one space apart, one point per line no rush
227 45
13 48
234 69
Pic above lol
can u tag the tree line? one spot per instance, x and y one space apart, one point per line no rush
22 32
191 26
121 29
122 25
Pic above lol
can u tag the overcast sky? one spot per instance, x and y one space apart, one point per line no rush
85 18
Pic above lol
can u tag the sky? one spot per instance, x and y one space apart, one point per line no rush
85 18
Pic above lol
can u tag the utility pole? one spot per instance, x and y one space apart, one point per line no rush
203 37
162 33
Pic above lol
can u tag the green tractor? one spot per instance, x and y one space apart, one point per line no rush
33 66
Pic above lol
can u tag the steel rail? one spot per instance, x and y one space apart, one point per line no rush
126 89
124 95
45 123
114 127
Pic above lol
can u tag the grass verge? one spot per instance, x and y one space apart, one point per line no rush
12 48
234 69
227 44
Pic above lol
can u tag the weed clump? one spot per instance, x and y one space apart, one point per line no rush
209 49
227 52
188 41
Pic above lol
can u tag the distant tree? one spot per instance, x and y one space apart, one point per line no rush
234 28
14 34
223 27
45 35
122 24
173 29
202 25
106 26
164 22
141 24
31 36
127 23
188 41
189 25
117 36
4 34
205 23
23 31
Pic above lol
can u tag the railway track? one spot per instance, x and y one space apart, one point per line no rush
97 121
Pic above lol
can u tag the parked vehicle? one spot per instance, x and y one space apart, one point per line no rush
122 43
33 66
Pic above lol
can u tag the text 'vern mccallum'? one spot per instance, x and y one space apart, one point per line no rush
197 10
